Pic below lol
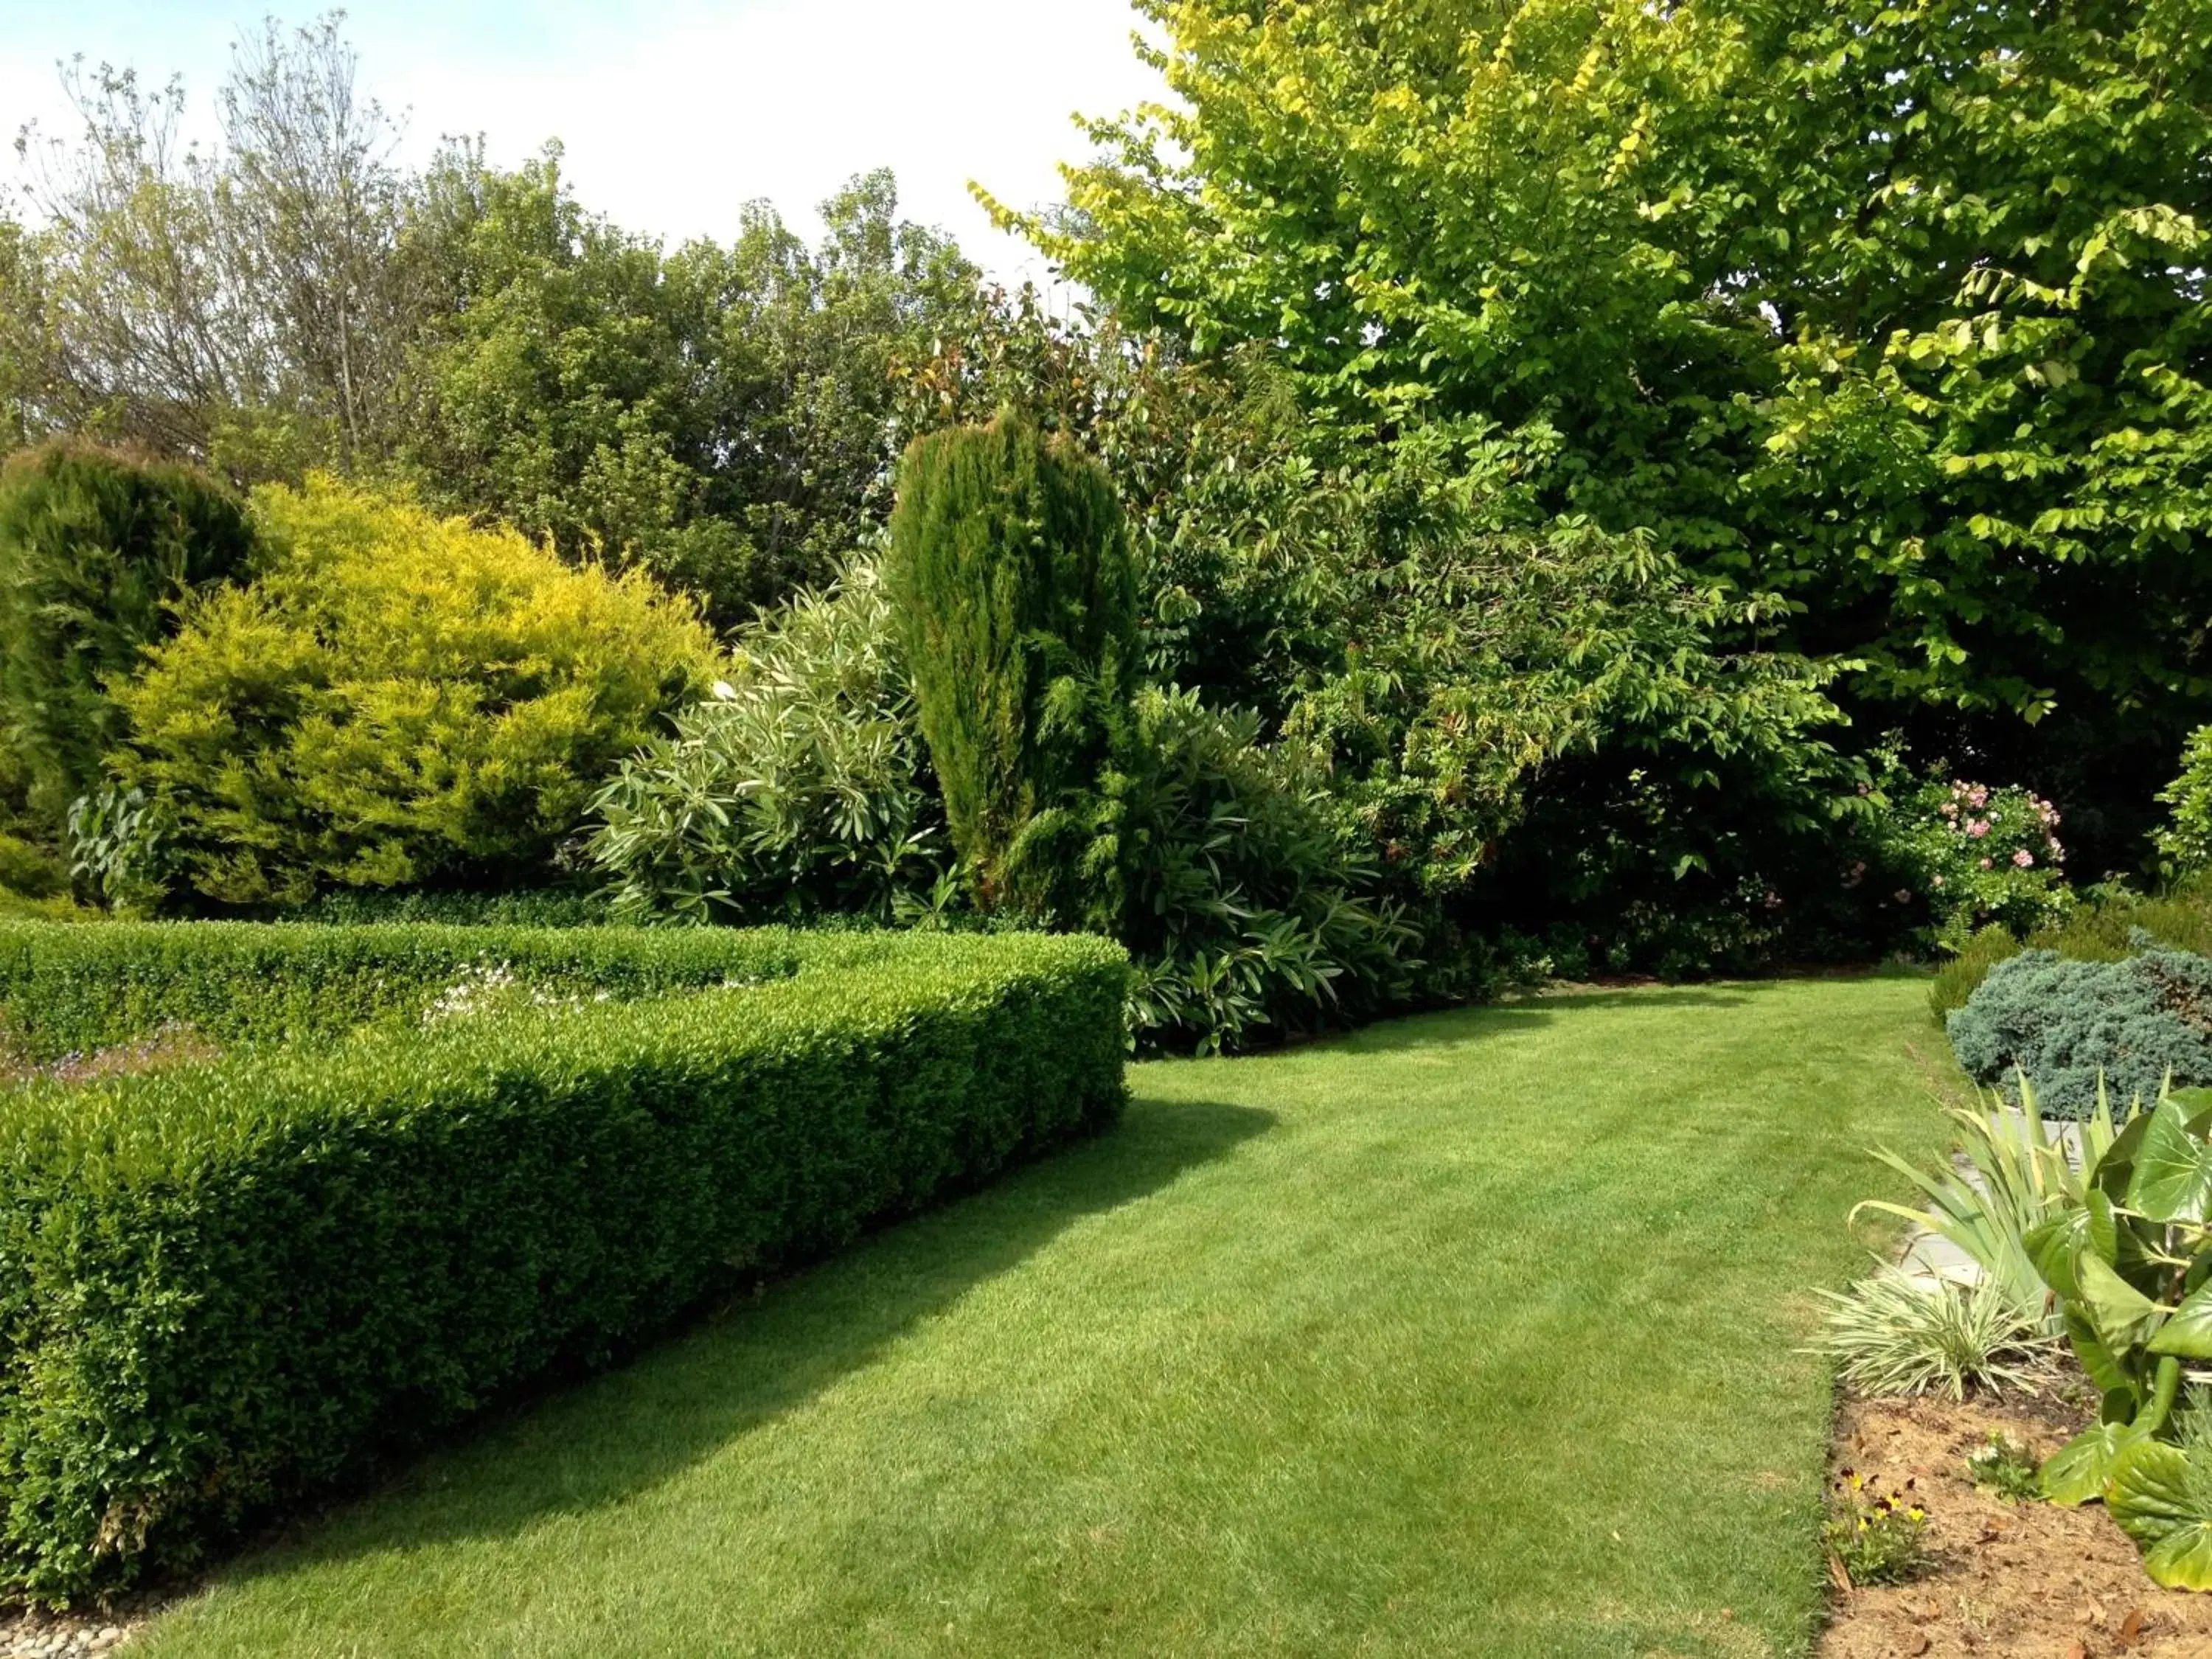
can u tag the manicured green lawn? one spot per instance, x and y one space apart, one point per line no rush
1471 1334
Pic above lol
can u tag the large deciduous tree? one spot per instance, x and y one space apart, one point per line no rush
1894 313
288 297
723 414
246 303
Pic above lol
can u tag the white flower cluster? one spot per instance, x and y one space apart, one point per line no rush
480 985
484 986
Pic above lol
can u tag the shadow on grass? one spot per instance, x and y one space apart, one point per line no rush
577 1448
1638 996
1446 1030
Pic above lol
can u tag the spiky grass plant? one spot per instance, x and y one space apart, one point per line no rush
1895 1333
2017 1174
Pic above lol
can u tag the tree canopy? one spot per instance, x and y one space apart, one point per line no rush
1892 317
290 298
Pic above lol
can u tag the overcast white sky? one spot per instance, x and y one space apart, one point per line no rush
675 112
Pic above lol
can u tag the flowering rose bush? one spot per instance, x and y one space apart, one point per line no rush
1978 855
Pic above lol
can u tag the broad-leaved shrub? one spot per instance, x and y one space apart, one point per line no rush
2185 841
1979 856
799 788
1247 914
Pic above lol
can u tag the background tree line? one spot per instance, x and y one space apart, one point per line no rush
290 298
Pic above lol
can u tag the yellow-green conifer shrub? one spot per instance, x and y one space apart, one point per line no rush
398 697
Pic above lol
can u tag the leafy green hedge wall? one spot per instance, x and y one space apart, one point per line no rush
86 987
228 1285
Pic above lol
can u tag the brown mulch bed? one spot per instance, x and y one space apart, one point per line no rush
2009 1580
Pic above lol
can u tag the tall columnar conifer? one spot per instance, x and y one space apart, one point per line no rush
97 550
1012 578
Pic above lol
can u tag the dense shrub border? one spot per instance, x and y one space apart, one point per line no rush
2108 928
227 1286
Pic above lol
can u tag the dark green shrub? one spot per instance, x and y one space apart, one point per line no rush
1247 916
231 1284
97 550
1011 579
549 907
2067 1024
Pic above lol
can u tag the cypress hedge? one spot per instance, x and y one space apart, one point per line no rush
230 1285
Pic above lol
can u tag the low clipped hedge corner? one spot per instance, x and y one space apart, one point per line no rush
72 990
230 1286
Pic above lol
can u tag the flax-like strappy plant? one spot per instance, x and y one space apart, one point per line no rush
1895 1333
2018 1176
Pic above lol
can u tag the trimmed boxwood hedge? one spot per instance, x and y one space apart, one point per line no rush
230 1286
70 990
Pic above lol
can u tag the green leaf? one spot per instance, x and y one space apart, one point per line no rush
2124 1315
2103 1228
2196 1106
2078 1472
2057 1247
2183 1558
2116 1169
2104 1368
2172 1178
2157 1504
2188 1334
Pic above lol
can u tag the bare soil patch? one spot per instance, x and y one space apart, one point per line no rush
2009 1581
170 1047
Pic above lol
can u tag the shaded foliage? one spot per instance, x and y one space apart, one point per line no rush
99 552
1891 319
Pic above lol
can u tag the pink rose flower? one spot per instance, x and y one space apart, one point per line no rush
1989 864
2024 859
1978 828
